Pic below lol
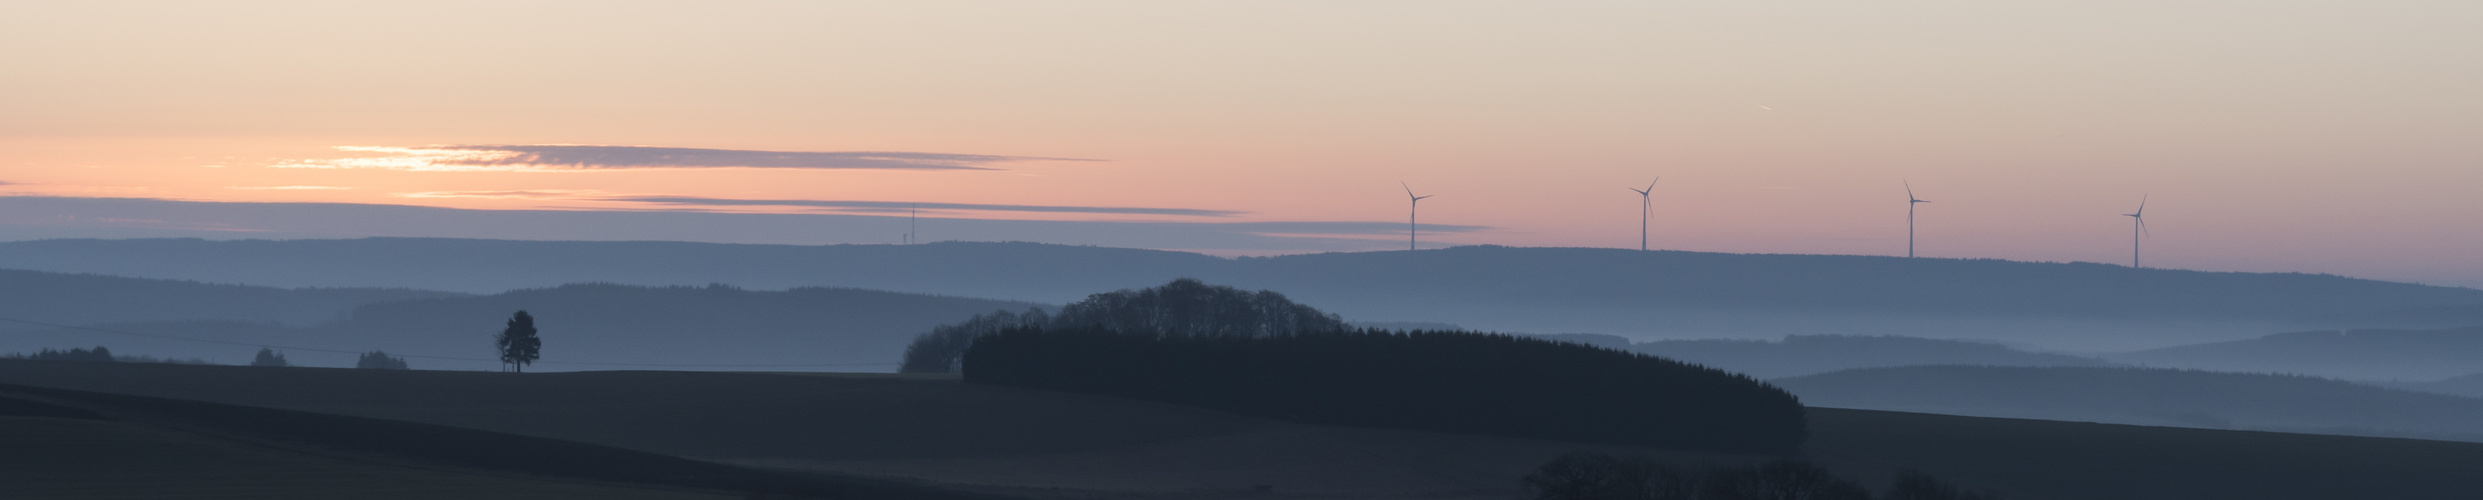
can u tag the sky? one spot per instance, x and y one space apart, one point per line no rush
2325 137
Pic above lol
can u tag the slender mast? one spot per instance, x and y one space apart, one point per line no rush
1646 208
1413 205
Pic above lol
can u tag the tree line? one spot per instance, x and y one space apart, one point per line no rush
1592 476
1183 308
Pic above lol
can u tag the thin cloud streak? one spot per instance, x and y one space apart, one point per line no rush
287 188
587 158
529 194
896 206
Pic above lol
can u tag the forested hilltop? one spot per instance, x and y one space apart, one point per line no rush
1258 353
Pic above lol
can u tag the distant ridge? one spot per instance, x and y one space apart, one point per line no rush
1812 354
1627 292
2369 354
81 299
2144 396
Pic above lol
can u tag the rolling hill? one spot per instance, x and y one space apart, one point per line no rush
1034 443
2350 354
76 444
1811 354
1645 295
86 299
2163 397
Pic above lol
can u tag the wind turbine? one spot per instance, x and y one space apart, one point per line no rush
1910 202
2138 233
1645 207
1412 203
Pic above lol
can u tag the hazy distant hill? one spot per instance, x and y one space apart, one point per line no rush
2182 398
864 330
2352 354
2463 385
1809 354
817 328
1640 294
79 299
2416 318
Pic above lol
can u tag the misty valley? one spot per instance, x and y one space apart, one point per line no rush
1007 370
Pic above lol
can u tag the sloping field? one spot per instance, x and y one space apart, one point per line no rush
49 451
1030 443
65 458
2150 396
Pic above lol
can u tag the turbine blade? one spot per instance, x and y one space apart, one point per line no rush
1909 190
2142 227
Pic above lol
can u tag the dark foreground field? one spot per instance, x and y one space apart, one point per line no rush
1036 444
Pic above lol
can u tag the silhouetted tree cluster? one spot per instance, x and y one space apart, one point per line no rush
380 360
1183 308
99 353
269 357
1190 308
518 344
1589 476
938 350
1440 381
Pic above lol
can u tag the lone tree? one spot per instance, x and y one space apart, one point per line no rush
518 344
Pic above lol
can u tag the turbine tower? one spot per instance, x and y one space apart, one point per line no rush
2138 233
1910 202
1645 207
1412 203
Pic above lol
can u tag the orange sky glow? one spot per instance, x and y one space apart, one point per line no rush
2335 137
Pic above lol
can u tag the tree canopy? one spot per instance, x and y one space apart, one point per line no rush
1184 307
518 344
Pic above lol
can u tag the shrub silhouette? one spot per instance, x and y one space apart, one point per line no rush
1439 381
1915 485
1588 476
1779 480
269 357
380 360
1593 476
74 354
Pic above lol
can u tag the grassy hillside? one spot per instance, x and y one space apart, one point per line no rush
1050 444
1661 293
47 455
2351 354
2149 397
1810 354
384 444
